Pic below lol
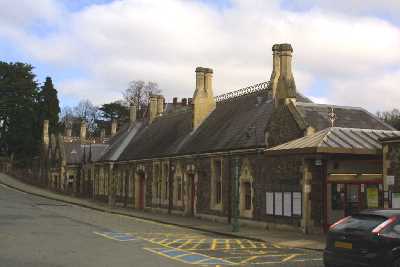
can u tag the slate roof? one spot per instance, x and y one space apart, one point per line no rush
236 123
76 153
337 140
316 115
120 141
160 138
73 153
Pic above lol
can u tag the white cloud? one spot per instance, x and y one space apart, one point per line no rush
164 41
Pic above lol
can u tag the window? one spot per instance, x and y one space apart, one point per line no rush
179 187
218 181
247 195
165 176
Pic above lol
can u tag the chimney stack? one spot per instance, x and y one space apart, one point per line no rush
46 138
132 113
184 102
203 98
152 108
113 127
82 134
286 87
102 135
160 104
275 69
175 101
190 101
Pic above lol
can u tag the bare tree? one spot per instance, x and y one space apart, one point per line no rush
138 92
88 112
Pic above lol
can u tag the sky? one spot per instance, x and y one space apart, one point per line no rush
346 52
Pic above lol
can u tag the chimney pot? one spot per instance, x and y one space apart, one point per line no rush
190 101
175 100
184 102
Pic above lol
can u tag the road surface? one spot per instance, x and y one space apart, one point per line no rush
38 232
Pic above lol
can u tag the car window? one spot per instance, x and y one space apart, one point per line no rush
392 231
361 223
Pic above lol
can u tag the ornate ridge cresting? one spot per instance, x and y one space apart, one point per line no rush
244 91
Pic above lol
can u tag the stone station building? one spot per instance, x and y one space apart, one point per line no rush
297 164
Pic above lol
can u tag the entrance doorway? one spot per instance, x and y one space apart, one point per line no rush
345 199
140 190
191 195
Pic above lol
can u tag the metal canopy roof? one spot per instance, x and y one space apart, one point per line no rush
337 140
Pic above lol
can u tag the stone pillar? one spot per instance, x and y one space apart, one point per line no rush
385 166
111 186
306 209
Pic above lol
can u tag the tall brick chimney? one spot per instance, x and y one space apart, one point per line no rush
203 97
46 138
113 127
275 69
82 133
286 87
132 113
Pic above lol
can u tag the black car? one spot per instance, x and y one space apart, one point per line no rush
369 238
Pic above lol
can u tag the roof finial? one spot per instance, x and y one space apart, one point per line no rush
332 116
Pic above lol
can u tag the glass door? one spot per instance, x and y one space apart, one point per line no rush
353 202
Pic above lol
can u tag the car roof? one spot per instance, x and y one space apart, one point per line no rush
382 212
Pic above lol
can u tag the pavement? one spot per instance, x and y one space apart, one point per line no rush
286 239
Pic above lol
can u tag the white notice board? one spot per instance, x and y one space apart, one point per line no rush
287 204
297 203
278 203
269 203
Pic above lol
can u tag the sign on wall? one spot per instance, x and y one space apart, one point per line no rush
283 203
390 180
270 203
278 203
372 197
297 203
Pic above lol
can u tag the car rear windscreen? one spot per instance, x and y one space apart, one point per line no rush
361 223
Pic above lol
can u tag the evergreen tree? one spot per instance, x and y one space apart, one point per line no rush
49 104
19 128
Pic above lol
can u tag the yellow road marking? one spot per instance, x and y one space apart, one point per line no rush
252 244
249 259
186 243
214 244
227 245
162 241
196 245
173 241
290 257
239 242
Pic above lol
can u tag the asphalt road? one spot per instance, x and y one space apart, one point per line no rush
39 232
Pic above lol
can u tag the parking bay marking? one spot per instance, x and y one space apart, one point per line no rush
116 236
172 249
